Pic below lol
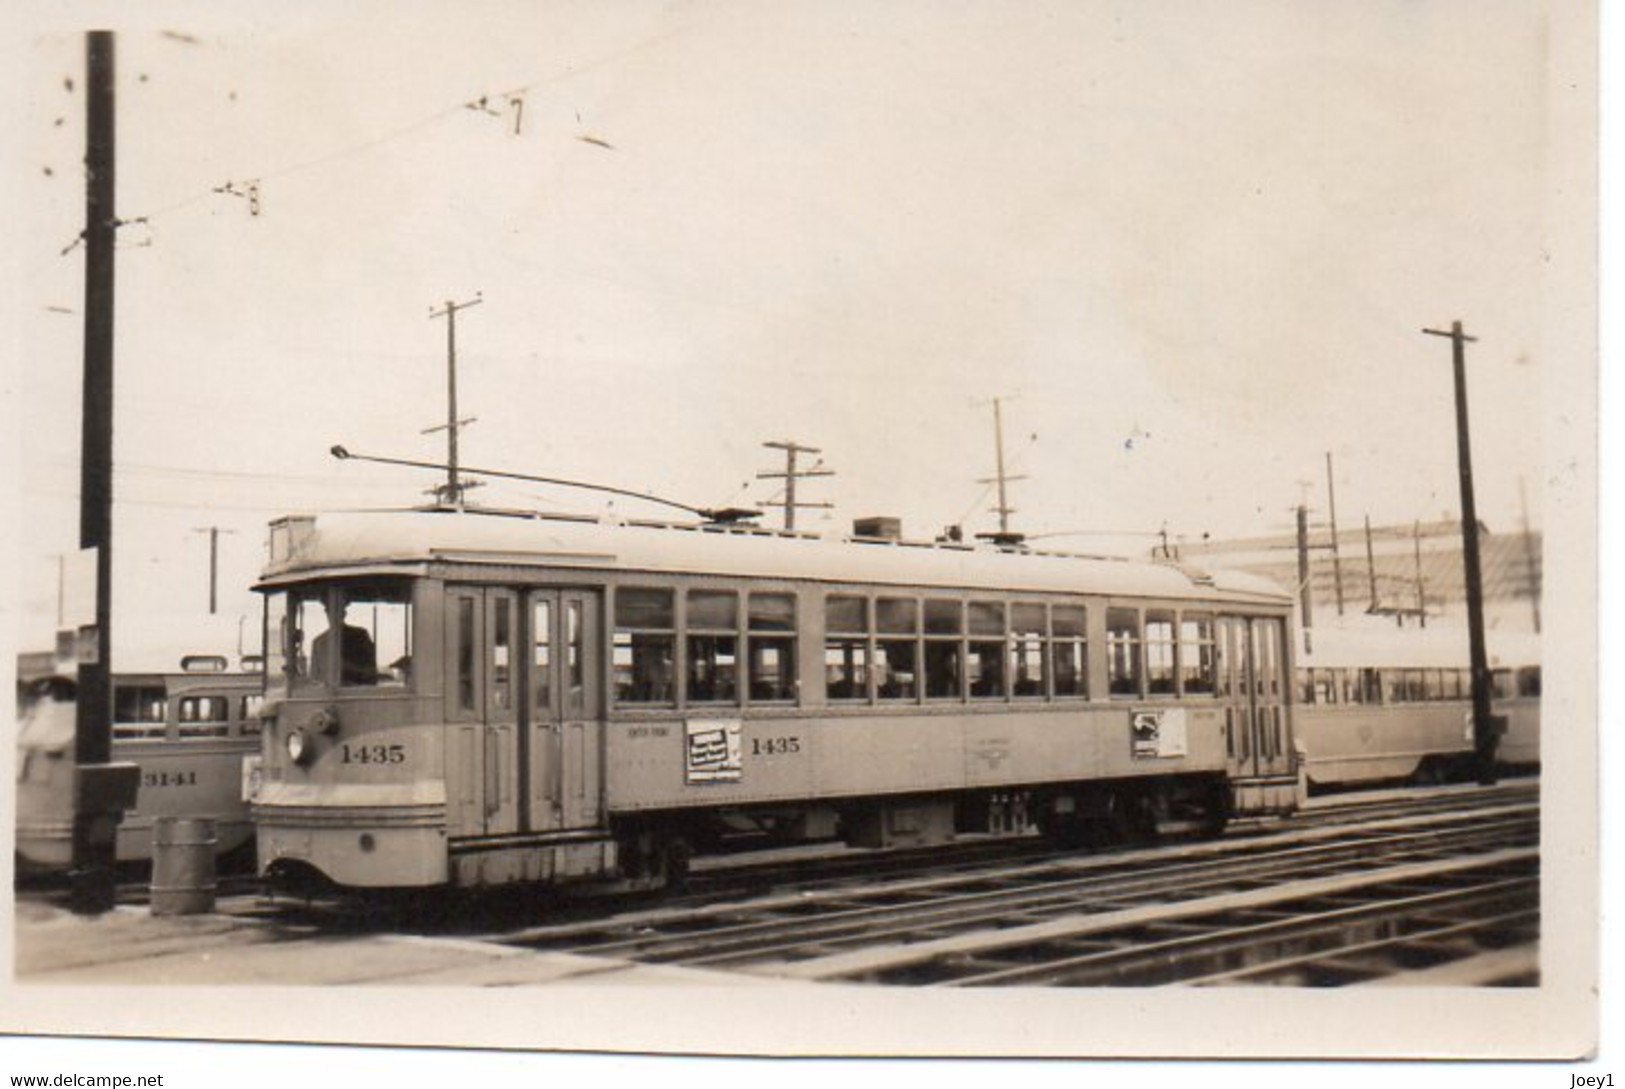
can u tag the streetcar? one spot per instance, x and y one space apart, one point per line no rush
477 698
1381 704
189 727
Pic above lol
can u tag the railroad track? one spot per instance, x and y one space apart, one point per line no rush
908 930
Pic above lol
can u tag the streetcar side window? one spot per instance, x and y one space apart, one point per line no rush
944 635
846 647
1159 652
1069 635
1501 684
1306 686
203 716
985 658
644 641
713 646
897 669
139 711
1029 639
772 648
1123 651
1529 681
1198 658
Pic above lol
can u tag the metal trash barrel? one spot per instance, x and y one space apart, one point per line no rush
182 866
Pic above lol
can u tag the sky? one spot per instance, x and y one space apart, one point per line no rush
1190 246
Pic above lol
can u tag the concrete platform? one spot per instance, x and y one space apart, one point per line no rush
131 946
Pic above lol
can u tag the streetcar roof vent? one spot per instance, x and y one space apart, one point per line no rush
879 528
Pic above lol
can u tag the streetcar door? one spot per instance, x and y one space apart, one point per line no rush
482 734
564 733
1235 692
1273 750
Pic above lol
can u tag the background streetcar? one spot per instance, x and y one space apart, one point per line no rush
1377 703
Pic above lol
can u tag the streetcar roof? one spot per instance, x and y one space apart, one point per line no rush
1378 644
306 546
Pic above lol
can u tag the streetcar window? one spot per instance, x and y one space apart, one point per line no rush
467 688
1028 635
713 646
645 635
1123 652
248 713
275 637
502 622
1069 632
307 631
1306 686
376 647
944 627
1198 658
1159 653
897 669
541 655
985 659
1325 688
846 647
772 656
1370 690
139 711
203 716
1393 685
1501 684
1415 688
1529 681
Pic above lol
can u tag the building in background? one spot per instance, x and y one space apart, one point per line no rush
1412 573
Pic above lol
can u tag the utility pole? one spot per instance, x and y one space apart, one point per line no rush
214 564
1531 568
792 474
1371 564
1305 598
102 790
1337 556
1421 593
1004 510
1486 730
452 491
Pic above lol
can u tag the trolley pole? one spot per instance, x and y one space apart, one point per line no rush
453 488
1486 730
102 791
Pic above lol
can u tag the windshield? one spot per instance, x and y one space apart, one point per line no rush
355 634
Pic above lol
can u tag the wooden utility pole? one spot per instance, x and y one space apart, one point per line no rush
792 474
1371 565
1337 556
1531 567
1486 732
452 491
102 791
214 564
1421 591
1305 597
1004 510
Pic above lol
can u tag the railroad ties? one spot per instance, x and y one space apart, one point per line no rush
1437 887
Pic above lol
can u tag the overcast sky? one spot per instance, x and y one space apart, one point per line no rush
1194 244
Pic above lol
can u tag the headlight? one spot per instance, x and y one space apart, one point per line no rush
300 748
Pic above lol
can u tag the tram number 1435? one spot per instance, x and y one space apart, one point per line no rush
372 754
774 746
